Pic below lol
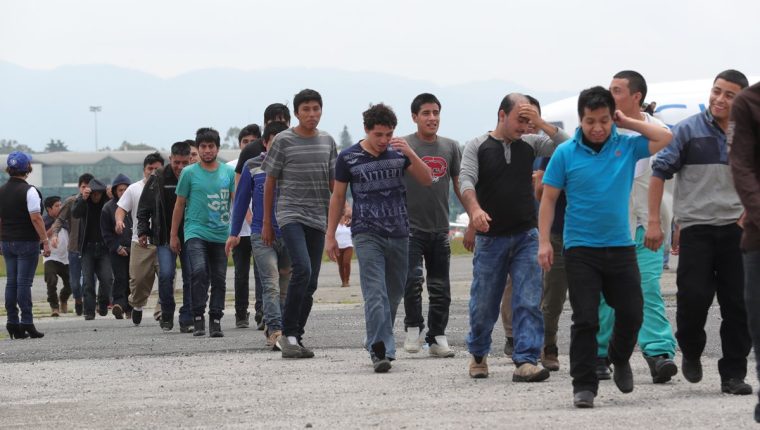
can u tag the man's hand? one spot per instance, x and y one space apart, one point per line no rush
119 226
122 251
86 193
248 217
545 255
530 112
267 234
469 238
621 120
46 248
675 241
654 236
331 247
54 241
480 220
175 245
400 145
232 242
143 240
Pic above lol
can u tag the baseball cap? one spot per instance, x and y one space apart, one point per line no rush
18 160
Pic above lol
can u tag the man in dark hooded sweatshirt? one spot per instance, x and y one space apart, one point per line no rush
118 247
92 247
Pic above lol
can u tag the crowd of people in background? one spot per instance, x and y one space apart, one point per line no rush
551 212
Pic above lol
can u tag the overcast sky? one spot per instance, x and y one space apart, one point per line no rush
543 45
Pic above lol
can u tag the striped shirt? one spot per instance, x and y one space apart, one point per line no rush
303 167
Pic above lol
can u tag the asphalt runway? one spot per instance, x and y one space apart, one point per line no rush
108 373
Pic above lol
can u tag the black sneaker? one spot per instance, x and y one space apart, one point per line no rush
661 367
215 328
306 352
136 316
103 310
736 386
185 327
79 308
167 322
583 399
623 376
509 346
691 369
259 318
757 413
199 326
603 369
242 319
89 317
379 361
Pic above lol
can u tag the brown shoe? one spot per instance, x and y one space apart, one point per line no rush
64 307
550 358
529 372
55 312
117 312
273 341
478 370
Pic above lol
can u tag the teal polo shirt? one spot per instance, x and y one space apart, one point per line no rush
598 188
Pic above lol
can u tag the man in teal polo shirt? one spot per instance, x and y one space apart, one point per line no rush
595 169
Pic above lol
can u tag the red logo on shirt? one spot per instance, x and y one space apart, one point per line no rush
618 153
438 165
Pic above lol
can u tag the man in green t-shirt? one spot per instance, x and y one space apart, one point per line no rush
204 193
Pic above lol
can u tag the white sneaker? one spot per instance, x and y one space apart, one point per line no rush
441 348
412 341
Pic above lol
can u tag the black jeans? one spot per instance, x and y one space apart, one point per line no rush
241 257
208 268
53 271
435 250
305 247
96 262
591 272
120 267
710 262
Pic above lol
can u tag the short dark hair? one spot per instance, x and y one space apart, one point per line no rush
636 82
272 129
304 96
379 114
50 201
250 130
180 148
11 171
192 143
733 76
153 157
534 101
421 100
275 111
594 98
509 101
85 178
207 135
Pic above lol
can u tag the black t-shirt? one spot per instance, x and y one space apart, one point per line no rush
93 234
559 209
251 150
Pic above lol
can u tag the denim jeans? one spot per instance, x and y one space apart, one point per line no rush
208 267
75 274
21 259
495 258
258 303
274 268
382 275
710 264
752 301
305 246
591 272
167 271
96 263
120 293
241 257
435 250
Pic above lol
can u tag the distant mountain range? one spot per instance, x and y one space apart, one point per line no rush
39 105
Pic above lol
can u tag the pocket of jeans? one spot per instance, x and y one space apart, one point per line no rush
533 233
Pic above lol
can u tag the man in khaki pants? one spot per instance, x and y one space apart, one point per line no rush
143 261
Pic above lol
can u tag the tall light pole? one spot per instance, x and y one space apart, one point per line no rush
95 110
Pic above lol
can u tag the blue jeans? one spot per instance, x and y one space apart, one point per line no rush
96 262
382 274
21 258
75 274
305 245
274 269
495 258
208 266
435 250
167 271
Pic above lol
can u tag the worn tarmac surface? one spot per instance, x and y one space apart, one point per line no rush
108 373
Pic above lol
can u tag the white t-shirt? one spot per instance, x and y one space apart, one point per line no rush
343 236
245 229
129 201
33 201
61 253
